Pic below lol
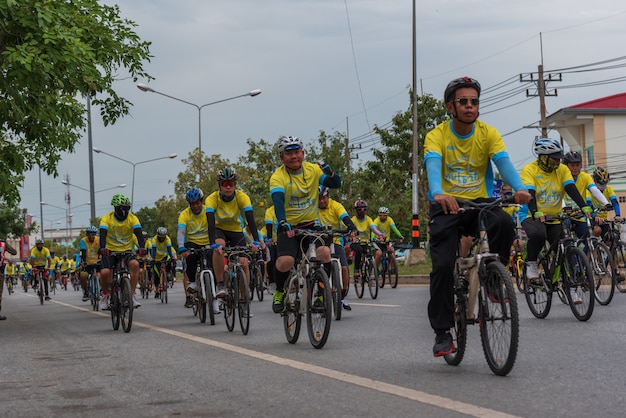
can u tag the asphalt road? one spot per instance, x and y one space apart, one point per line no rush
62 359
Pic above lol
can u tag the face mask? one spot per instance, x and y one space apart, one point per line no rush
547 164
121 212
601 187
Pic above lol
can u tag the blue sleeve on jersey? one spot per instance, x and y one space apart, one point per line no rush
278 198
615 206
508 171
433 168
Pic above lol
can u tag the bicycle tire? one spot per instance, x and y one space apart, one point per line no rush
242 300
256 282
10 285
383 272
603 271
577 276
209 296
359 284
319 308
292 318
335 277
94 289
202 308
229 303
392 272
619 257
518 272
459 331
538 295
114 306
371 275
499 318
126 305
40 289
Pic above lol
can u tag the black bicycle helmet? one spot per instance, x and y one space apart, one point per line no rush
458 83
572 157
227 174
601 176
360 204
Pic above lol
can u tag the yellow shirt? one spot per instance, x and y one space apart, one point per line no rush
161 247
228 215
364 228
549 188
301 192
332 216
120 233
54 262
65 264
91 249
40 258
609 193
196 227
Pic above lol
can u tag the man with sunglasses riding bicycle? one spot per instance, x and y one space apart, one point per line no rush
457 156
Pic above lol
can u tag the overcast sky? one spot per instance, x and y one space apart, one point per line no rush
318 64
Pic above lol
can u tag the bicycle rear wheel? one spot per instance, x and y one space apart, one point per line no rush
538 294
229 303
126 305
40 289
518 273
319 308
499 319
459 332
371 277
115 306
359 283
603 273
292 318
210 297
94 290
243 301
392 272
256 274
620 266
578 283
335 278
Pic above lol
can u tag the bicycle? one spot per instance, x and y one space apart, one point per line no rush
146 280
64 279
564 269
618 252
256 277
160 272
389 264
516 261
237 296
76 280
9 280
204 295
38 278
481 277
308 291
336 277
369 273
94 290
121 302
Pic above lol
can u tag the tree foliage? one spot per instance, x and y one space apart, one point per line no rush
52 53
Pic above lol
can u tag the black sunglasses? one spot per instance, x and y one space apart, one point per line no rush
463 101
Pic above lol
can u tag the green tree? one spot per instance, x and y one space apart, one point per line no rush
52 53
12 221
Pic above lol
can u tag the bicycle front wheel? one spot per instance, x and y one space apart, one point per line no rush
257 275
538 294
229 303
210 297
620 266
601 263
319 308
243 301
459 332
335 277
126 306
518 272
115 306
392 272
499 318
292 318
359 283
578 283
371 278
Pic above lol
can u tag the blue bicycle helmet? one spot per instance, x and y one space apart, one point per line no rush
91 230
194 194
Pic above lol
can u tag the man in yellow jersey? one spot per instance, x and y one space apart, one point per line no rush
386 225
5 271
457 155
54 274
548 181
294 188
602 178
161 253
40 259
117 229
89 258
193 232
335 215
224 209
365 227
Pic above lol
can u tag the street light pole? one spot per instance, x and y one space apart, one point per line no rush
92 192
68 221
134 164
146 88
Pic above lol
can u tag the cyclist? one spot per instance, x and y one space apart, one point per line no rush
65 266
10 270
547 180
54 274
584 183
117 229
365 228
161 253
224 209
385 224
294 188
145 261
602 178
457 156
193 232
5 247
334 214
89 258
40 259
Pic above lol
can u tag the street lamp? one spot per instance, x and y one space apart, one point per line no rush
146 88
93 202
68 221
132 196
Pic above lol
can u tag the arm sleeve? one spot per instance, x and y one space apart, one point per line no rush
433 168
278 198
598 195
395 229
180 236
348 222
333 182
507 169
573 192
616 206
532 205
103 238
210 217
141 243
269 227
252 224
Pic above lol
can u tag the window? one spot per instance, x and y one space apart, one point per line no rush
590 156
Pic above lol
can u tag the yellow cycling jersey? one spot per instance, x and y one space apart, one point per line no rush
385 226
332 216
40 258
10 270
465 160
583 183
549 188
609 193
120 233
91 249
55 262
196 227
364 228
65 264
301 192
161 247
228 215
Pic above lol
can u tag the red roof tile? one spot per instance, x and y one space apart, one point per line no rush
616 101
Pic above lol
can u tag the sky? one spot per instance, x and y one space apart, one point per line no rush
323 65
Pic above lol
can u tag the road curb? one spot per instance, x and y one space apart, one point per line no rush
414 279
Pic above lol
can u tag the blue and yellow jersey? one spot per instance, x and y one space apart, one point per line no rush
385 226
549 188
91 249
465 160
196 226
161 247
228 215
364 228
65 264
333 216
40 258
10 270
583 183
120 233
55 262
301 192
72 265
609 193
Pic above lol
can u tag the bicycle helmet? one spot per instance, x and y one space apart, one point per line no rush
572 157
120 200
38 241
458 83
360 204
324 191
601 176
51 252
91 230
548 146
161 231
383 210
145 234
227 174
194 194
289 143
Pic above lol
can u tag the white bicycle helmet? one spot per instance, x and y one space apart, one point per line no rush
548 146
289 143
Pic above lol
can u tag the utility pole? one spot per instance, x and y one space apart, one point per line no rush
542 92
415 222
348 150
